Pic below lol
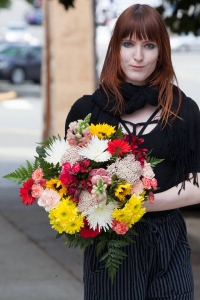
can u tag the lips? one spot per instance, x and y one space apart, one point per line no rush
137 67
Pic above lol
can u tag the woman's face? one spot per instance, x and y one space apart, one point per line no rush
138 59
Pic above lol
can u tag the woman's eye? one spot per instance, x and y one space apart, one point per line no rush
127 44
150 46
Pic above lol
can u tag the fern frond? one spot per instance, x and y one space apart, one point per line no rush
21 174
100 246
49 169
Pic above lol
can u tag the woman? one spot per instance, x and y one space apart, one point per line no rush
136 91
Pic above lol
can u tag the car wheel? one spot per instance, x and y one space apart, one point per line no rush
17 76
37 81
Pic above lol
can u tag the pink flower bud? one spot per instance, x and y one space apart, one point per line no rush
151 198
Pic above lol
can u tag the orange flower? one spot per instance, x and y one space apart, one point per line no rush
118 147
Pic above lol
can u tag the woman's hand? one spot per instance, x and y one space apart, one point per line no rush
171 199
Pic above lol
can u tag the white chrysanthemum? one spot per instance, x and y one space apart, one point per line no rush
96 150
56 151
102 216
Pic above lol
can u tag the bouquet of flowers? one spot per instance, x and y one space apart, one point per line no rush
92 185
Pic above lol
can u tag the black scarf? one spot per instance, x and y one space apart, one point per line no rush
177 135
135 98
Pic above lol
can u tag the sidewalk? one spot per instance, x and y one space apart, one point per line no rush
33 264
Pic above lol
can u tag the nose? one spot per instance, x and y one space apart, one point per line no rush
138 55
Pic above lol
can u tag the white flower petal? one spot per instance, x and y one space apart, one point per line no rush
96 150
101 217
56 151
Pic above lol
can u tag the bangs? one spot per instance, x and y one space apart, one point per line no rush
139 26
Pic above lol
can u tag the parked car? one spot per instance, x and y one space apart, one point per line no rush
20 62
185 42
34 17
16 32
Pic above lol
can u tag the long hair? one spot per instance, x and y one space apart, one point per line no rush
142 22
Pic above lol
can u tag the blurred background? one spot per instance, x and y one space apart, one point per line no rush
51 53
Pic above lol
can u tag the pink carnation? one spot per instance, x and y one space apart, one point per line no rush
100 171
119 227
154 183
49 199
137 188
76 168
149 183
42 182
36 190
100 174
38 174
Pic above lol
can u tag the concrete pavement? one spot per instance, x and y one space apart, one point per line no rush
33 264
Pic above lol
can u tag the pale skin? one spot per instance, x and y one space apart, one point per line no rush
138 61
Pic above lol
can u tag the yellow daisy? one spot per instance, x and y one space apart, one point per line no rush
56 225
62 214
135 218
55 184
122 191
74 225
122 215
102 130
134 203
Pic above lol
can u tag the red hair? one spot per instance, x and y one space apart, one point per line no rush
142 22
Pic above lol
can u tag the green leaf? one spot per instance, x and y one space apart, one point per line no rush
153 161
58 235
118 243
22 174
100 246
41 151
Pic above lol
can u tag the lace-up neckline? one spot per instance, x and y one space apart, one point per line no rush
143 124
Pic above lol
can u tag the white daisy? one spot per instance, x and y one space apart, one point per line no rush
101 217
56 151
96 150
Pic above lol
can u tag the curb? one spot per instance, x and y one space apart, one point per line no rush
8 95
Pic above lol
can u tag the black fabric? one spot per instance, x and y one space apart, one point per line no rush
181 137
157 265
135 98
143 124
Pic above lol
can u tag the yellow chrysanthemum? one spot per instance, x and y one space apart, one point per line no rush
74 225
62 214
135 218
55 184
122 191
56 225
102 130
134 203
138 216
122 215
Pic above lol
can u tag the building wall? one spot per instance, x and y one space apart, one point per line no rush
71 69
